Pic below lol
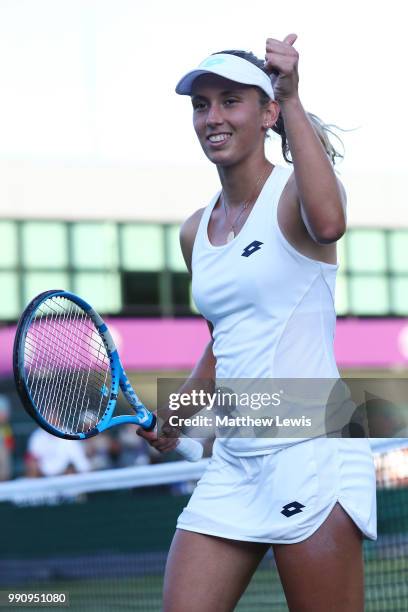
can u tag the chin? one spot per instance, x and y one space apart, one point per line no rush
221 158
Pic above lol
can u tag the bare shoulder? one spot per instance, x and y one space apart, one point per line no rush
188 232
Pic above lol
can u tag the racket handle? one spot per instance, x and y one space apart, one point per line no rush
190 449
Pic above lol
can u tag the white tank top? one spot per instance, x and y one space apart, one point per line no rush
272 308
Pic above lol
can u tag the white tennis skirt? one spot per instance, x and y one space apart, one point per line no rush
283 497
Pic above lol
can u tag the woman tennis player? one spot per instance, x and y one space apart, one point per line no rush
263 260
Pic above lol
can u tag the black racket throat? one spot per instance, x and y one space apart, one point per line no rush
153 424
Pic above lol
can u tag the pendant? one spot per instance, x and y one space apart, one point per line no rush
230 236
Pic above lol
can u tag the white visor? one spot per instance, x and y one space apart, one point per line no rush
230 67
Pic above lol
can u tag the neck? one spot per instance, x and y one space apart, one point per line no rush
239 181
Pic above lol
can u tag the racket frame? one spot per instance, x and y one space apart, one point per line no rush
143 417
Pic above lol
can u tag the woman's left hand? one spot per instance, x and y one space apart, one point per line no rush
281 60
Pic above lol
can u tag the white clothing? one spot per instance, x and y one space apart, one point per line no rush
272 308
285 496
54 454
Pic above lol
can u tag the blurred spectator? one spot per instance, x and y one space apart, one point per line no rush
6 439
133 450
48 455
101 451
392 468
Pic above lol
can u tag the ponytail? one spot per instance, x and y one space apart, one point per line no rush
322 130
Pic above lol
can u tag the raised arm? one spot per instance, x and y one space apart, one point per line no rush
321 196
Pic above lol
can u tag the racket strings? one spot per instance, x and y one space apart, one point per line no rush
37 345
45 389
44 358
68 375
65 382
67 366
87 323
38 348
53 398
76 398
46 350
81 397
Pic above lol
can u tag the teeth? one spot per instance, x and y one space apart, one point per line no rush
218 137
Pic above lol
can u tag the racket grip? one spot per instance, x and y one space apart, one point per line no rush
190 449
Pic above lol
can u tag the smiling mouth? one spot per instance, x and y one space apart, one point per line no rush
219 138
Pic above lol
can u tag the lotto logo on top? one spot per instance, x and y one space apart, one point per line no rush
251 248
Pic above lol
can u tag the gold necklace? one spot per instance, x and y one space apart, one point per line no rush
232 233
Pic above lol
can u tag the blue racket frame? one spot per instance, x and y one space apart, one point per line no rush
143 417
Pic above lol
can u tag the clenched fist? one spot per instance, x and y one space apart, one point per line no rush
281 61
163 443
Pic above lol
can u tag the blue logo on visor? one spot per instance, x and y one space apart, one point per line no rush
213 62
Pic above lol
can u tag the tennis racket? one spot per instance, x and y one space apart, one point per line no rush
68 372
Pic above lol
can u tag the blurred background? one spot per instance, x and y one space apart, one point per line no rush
99 165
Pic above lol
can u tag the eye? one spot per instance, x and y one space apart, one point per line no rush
230 101
198 105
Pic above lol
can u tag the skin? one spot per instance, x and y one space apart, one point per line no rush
321 574
325 572
32 468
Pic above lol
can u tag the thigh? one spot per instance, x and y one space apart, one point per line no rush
208 574
324 573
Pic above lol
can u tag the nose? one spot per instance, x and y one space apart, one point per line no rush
214 115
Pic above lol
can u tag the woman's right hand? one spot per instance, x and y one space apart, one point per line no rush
162 443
